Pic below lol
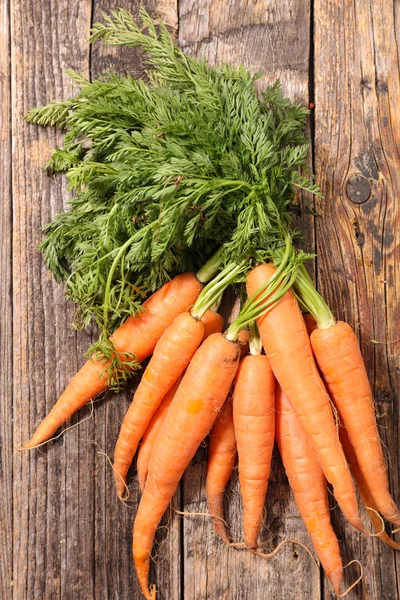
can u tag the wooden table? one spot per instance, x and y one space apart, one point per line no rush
63 532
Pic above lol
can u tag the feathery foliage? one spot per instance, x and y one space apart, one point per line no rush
164 171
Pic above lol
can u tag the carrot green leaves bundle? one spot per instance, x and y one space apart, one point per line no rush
164 172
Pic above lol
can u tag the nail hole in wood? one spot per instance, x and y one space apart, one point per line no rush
358 189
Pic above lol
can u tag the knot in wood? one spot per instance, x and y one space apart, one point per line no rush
358 189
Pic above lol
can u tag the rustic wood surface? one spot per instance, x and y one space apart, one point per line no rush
63 534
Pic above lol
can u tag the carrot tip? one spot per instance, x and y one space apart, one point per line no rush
220 530
336 578
251 547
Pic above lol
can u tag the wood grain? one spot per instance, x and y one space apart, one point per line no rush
114 574
6 317
272 38
53 496
357 139
63 533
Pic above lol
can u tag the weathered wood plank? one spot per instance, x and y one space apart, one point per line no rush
53 496
6 327
357 140
114 570
272 38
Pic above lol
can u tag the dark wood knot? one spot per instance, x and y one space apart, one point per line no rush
358 189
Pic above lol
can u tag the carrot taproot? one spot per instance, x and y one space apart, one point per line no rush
310 322
365 493
309 486
138 336
287 346
213 323
351 457
243 342
151 434
199 398
254 422
221 461
171 356
338 356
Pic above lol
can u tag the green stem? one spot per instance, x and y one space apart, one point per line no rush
312 301
111 272
211 267
214 290
255 340
273 294
268 295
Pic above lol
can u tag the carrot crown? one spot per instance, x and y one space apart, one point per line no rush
212 293
271 292
311 300
255 340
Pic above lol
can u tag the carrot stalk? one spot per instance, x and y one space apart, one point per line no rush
308 483
138 336
287 346
193 410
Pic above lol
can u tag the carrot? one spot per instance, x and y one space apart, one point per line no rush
308 483
193 410
150 436
213 323
243 341
171 356
365 493
254 421
350 454
310 323
287 346
221 461
339 358
138 335
222 454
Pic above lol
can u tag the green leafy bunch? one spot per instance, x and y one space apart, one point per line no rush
166 170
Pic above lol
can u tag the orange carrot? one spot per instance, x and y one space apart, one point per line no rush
221 461
355 467
193 410
243 341
254 420
365 493
287 345
138 335
339 358
213 323
309 487
171 356
150 436
310 323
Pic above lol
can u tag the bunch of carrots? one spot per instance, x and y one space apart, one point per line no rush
285 370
